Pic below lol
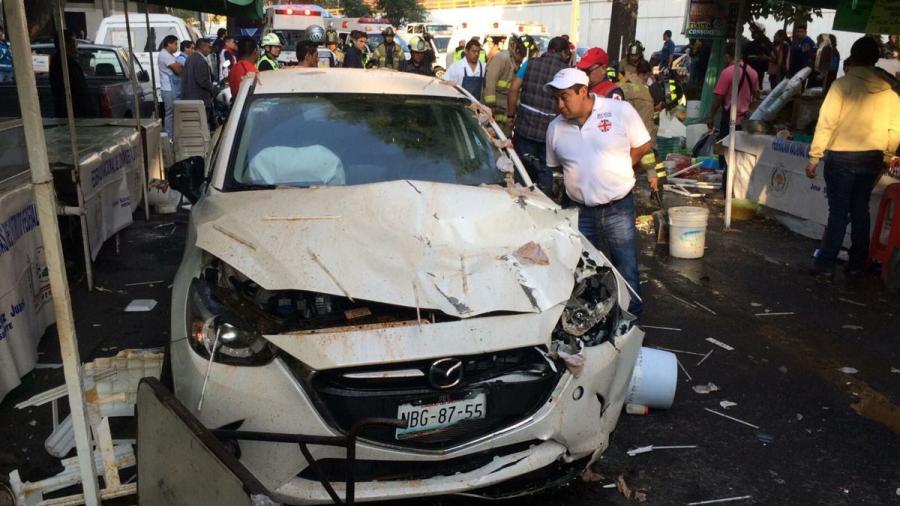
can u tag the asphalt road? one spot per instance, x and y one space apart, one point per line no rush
824 437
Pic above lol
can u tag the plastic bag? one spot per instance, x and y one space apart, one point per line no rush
705 145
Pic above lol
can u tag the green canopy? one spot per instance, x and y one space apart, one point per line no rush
248 9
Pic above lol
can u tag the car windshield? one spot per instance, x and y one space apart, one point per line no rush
344 139
441 43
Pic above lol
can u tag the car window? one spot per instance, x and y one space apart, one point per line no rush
118 36
343 139
441 43
100 63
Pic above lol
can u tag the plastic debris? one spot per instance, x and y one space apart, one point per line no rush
727 404
716 501
894 370
625 490
704 358
636 409
706 389
673 329
848 370
140 305
853 302
720 344
765 438
708 310
799 417
852 327
784 313
689 378
738 420
647 449
755 304
679 351
149 283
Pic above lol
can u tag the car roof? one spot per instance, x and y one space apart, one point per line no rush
120 18
81 45
344 80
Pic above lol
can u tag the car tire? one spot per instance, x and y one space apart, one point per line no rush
439 72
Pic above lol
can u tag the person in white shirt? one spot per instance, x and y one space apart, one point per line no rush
468 72
598 142
168 69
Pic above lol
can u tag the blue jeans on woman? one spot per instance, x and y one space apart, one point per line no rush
850 178
610 228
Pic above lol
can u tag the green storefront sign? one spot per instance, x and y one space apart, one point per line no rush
868 16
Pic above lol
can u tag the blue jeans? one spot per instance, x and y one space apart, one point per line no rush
850 178
168 98
611 229
534 157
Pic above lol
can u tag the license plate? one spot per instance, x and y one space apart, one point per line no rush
424 418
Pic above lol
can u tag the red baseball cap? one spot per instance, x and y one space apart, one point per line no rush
594 56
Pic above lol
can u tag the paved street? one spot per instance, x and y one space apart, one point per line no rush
825 437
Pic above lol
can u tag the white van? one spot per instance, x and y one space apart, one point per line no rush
112 32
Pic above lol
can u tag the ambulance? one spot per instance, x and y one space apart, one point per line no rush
290 21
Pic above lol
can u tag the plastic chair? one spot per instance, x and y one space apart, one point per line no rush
882 251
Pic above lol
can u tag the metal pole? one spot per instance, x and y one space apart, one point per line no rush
152 67
575 22
73 144
45 198
137 107
735 81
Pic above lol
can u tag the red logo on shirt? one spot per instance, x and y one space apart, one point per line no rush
605 125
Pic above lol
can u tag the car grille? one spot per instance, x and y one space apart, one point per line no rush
515 382
335 470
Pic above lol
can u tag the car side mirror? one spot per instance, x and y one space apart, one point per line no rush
187 176
143 76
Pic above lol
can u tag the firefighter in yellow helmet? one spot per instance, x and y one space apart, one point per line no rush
271 43
499 74
388 54
418 63
332 43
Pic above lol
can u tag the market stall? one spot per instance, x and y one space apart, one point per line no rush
26 308
772 171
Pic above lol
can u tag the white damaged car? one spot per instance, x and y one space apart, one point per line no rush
366 254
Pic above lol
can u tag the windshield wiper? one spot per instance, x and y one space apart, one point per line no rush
250 187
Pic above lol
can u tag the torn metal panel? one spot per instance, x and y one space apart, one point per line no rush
374 249
406 341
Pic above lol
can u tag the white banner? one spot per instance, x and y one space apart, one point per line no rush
26 308
772 171
110 167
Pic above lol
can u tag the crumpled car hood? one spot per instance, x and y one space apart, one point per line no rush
461 250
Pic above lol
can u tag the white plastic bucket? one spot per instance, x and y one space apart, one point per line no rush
687 231
653 380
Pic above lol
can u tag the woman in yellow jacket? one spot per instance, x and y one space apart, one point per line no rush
857 133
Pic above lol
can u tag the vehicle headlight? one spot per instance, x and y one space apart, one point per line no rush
592 313
212 325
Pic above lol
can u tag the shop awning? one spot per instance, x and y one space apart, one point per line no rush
248 9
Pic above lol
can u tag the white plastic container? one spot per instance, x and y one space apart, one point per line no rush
687 231
653 380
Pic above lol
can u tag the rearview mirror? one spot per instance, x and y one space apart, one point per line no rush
187 176
143 76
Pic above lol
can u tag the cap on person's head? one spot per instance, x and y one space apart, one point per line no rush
865 51
595 56
565 79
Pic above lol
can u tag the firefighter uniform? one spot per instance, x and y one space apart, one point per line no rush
388 57
498 77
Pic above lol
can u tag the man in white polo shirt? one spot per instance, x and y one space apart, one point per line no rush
598 142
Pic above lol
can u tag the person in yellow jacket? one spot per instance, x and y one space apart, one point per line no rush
857 134
498 77
388 54
637 93
271 43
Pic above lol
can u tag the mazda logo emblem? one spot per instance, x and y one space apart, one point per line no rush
445 373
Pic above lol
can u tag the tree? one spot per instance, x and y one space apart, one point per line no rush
786 12
355 8
622 26
402 11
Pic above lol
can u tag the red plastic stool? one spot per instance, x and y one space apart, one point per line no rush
883 252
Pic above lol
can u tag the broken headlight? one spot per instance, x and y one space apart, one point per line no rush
214 330
592 312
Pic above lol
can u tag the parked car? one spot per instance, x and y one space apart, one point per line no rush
385 266
109 86
112 31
